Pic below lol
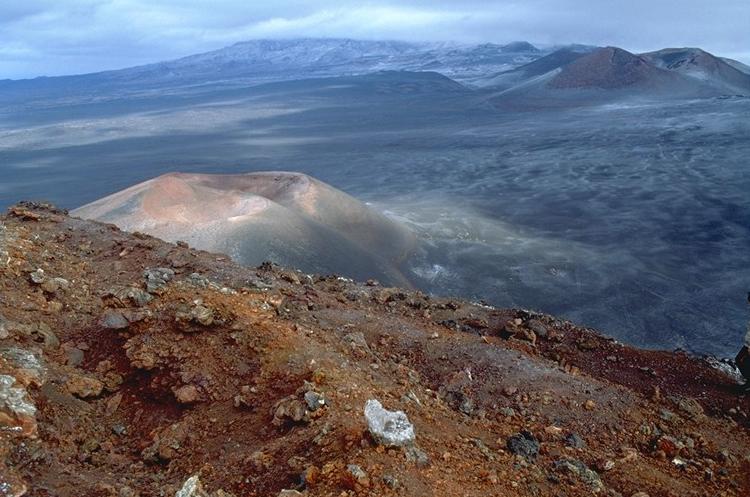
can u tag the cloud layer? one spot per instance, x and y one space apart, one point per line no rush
52 37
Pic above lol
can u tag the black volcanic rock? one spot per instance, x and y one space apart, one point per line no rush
610 68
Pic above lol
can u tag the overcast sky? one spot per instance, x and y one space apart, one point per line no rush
52 37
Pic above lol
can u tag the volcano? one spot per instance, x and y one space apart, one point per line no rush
611 68
287 218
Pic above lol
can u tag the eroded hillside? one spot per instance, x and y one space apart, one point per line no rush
134 367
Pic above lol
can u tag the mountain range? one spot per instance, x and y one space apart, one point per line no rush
516 72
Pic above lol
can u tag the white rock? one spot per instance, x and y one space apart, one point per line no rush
390 428
192 488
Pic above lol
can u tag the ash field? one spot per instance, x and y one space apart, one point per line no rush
630 214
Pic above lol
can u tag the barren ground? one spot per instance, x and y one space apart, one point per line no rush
206 374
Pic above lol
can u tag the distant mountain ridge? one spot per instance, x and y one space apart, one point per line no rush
515 68
264 61
322 55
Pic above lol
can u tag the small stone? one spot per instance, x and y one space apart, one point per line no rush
113 320
314 400
589 405
127 492
510 391
575 441
44 332
290 409
508 412
310 476
290 493
390 481
416 455
129 295
198 313
668 445
187 394
466 406
157 279
202 315
54 307
356 477
178 259
691 407
84 387
666 415
52 285
192 488
524 444
37 277
587 475
73 356
537 327
389 428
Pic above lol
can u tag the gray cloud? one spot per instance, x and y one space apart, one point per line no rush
50 37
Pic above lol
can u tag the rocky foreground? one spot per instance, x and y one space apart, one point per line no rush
133 367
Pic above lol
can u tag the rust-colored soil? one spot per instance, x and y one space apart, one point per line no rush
208 374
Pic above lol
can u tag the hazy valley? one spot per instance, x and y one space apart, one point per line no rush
602 186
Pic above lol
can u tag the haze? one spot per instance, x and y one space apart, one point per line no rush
52 37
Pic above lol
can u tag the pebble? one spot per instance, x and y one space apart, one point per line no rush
84 387
510 391
198 313
575 441
669 445
417 456
508 412
37 277
187 394
314 400
586 474
538 328
157 279
355 476
390 481
52 285
130 295
290 409
113 320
